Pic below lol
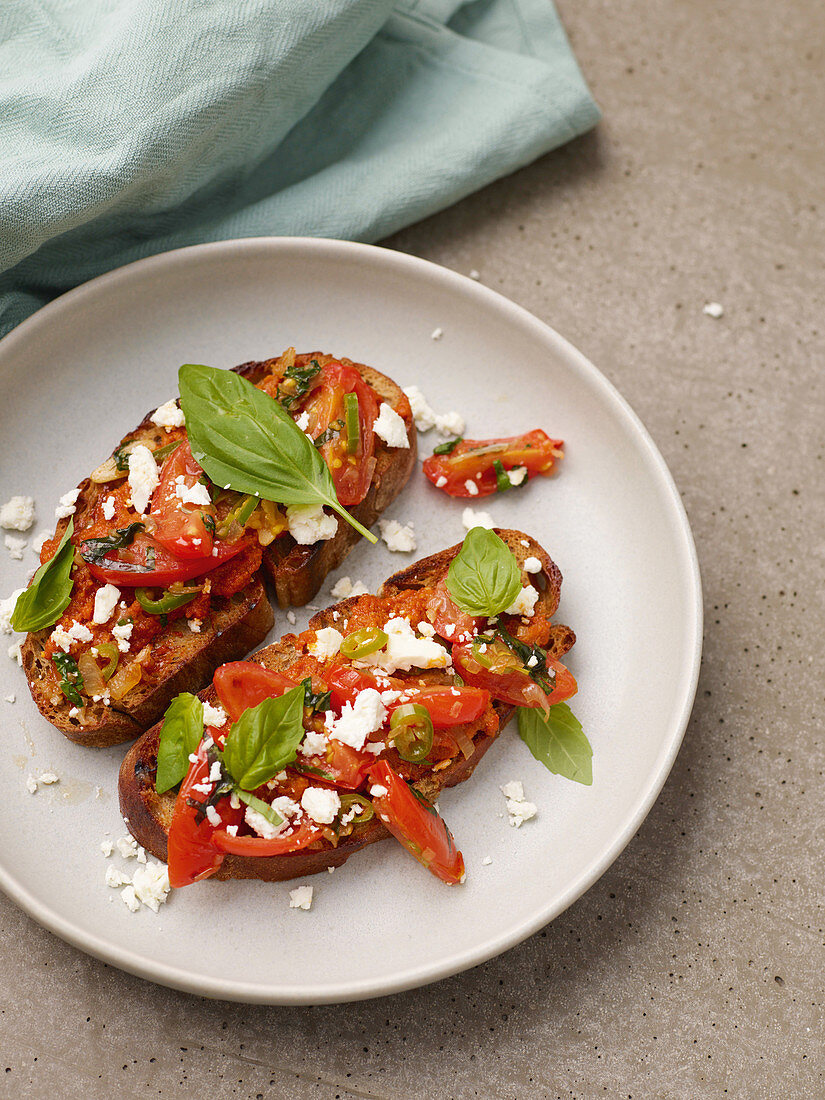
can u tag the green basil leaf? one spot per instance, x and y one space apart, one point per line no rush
319 700
180 735
557 741
265 739
94 550
263 808
448 447
244 439
484 577
50 592
503 482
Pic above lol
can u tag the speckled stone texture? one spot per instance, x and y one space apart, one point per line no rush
694 968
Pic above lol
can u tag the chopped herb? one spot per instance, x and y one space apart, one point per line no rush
295 383
543 676
94 550
332 432
71 683
448 447
503 482
316 700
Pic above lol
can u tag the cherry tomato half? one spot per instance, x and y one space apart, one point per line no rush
447 706
449 621
416 824
244 684
182 528
509 682
260 846
146 563
474 460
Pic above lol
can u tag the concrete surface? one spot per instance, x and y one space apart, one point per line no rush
694 968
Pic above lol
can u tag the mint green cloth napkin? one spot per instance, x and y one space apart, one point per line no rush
129 127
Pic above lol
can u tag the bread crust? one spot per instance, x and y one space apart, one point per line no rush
148 815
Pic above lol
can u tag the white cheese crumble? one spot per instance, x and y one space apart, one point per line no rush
108 508
309 523
524 604
259 824
426 629
437 333
195 625
130 898
476 275
213 817
451 423
168 415
486 861
143 477
48 778
31 785
302 421
17 514
16 653
359 719
197 494
327 643
532 565
65 639
127 847
471 487
115 877
518 808
107 847
517 475
345 587
15 547
404 650
121 633
399 538
66 504
151 885
290 618
213 716
105 602
713 309
10 698
377 790
313 744
391 427
301 898
38 542
471 518
321 804
6 610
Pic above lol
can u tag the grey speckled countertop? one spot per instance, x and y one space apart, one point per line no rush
694 968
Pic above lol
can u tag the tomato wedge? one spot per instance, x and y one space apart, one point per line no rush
345 683
416 824
473 460
342 765
146 563
191 852
350 461
244 684
510 683
448 620
447 706
182 528
259 846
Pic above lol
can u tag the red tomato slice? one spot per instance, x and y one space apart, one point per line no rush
345 682
128 569
449 621
244 684
416 824
447 706
472 460
352 473
181 528
513 685
342 765
258 846
191 852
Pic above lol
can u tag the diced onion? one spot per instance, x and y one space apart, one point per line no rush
464 742
87 666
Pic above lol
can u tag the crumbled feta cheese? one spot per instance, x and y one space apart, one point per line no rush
213 817
130 898
108 508
15 547
10 698
257 822
451 423
302 421
66 504
525 543
301 898
441 482
532 565
486 861
470 518
143 477
215 771
116 878
471 487
398 537
426 629
15 652
524 604
48 779
313 744
290 618
436 334
141 854
121 633
213 716
518 808
405 651
321 804
359 719
345 587
391 427
127 846
107 847
151 885
168 415
425 417
39 540
713 309
309 523
327 643
377 790
474 274
7 609
532 661
65 639
74 712
105 602
31 785
17 514
517 475
195 625
197 494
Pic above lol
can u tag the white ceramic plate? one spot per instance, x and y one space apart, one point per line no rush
86 368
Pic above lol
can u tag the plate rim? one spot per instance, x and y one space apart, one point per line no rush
422 974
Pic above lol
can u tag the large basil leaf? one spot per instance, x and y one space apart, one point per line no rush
484 577
265 739
245 440
180 735
557 741
50 591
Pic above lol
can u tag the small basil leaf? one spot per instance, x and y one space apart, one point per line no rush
265 739
263 808
318 700
50 592
94 550
71 681
246 440
448 447
180 735
503 482
298 381
484 577
557 741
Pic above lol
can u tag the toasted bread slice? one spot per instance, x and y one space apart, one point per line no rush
237 624
148 815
